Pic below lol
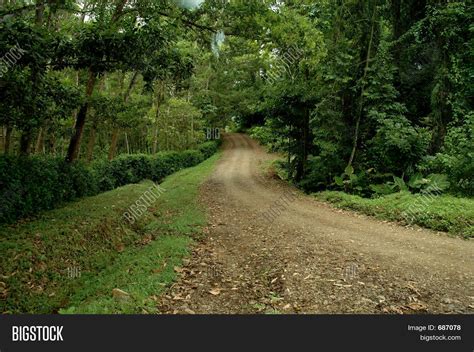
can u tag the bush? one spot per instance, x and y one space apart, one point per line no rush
209 148
32 184
192 157
456 158
28 185
266 136
127 169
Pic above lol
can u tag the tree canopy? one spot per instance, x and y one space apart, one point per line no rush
380 87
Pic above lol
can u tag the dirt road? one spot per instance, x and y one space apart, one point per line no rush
311 258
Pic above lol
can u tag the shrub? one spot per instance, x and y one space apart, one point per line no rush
32 184
456 158
209 148
191 157
171 162
103 175
266 136
127 169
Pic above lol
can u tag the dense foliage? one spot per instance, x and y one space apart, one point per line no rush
362 96
88 79
380 87
30 185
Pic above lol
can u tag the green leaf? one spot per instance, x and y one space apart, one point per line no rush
400 184
438 182
382 189
416 181
349 170
339 181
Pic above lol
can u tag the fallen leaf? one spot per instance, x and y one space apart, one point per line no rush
120 294
416 306
215 291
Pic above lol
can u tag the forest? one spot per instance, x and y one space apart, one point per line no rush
379 88
365 104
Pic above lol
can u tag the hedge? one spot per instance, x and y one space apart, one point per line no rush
29 185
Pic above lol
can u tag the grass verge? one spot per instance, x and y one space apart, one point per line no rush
441 212
70 259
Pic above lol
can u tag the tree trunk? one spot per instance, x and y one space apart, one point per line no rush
39 13
52 143
302 159
397 16
113 143
118 10
39 147
93 131
192 131
361 99
115 133
27 134
155 139
25 142
75 142
160 96
62 146
441 110
91 143
126 143
8 138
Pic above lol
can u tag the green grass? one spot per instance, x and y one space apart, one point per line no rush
91 235
439 212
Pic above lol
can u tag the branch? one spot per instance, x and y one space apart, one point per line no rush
18 9
187 22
